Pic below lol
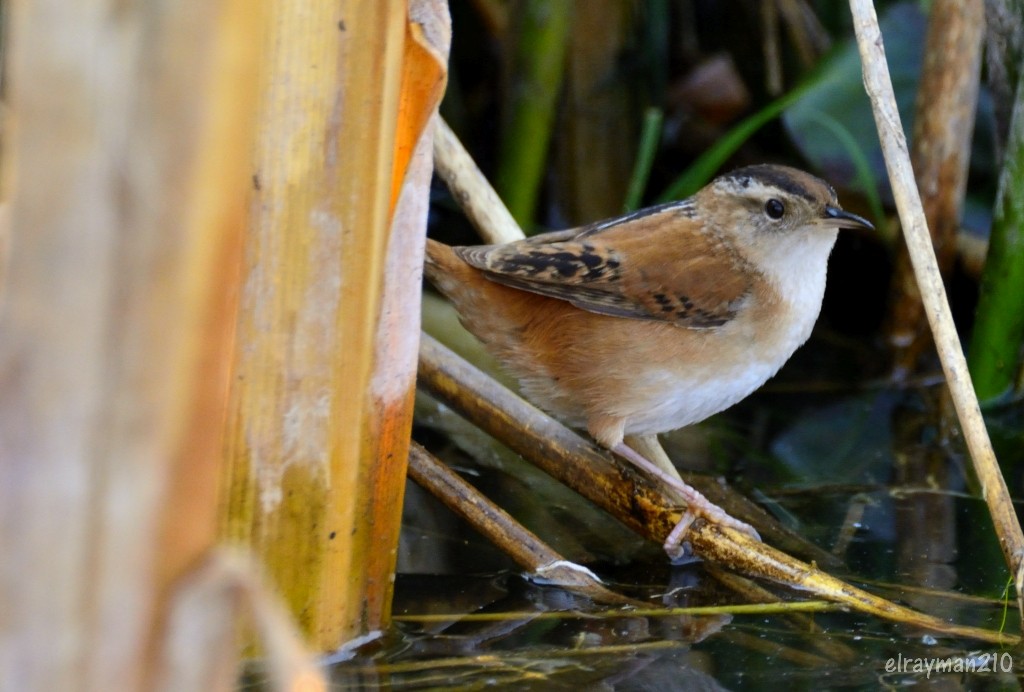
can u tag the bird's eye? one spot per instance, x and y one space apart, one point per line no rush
774 208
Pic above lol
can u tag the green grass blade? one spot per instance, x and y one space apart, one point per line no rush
994 356
650 137
537 80
705 167
861 166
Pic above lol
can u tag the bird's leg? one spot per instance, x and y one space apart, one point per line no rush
609 432
650 448
696 504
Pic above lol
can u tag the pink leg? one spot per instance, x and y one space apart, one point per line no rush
696 504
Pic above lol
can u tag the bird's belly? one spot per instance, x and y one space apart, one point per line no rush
676 400
657 389
651 376
723 368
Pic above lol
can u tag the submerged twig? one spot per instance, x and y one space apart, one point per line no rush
753 592
511 537
773 608
878 85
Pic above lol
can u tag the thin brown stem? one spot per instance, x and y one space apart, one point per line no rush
944 120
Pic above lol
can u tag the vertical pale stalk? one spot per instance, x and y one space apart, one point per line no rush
133 123
326 343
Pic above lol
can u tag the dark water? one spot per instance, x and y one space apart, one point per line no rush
866 475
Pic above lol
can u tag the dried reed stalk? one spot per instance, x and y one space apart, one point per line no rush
134 123
326 348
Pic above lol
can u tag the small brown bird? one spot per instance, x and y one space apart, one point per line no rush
658 319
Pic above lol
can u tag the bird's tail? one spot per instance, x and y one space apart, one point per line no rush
439 257
445 269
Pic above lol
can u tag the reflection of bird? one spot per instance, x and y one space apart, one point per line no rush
658 319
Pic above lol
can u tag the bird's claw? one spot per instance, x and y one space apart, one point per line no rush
675 542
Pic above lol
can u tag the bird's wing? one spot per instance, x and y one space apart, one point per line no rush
652 265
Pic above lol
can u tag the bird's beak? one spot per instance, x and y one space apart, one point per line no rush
837 218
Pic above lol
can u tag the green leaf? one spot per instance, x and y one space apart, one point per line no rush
836 103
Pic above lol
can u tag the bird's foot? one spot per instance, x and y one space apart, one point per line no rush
705 509
696 504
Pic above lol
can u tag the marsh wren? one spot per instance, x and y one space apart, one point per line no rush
658 319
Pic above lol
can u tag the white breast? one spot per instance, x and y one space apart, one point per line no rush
746 354
691 400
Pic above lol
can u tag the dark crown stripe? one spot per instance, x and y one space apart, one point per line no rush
773 177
